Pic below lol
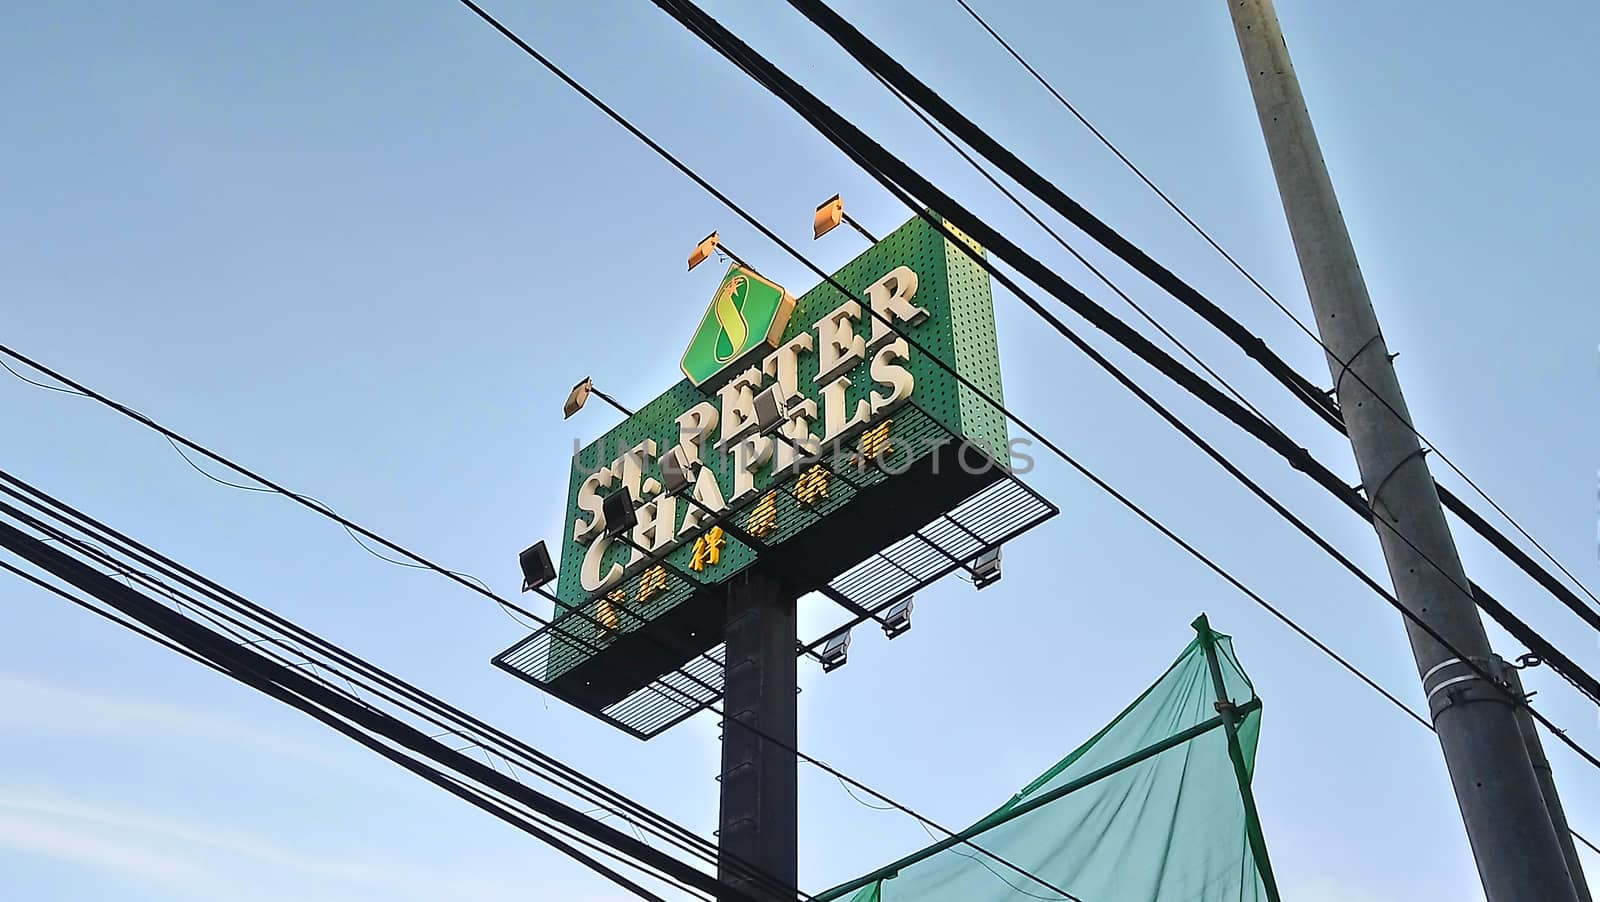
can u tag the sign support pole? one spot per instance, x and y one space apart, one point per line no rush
1518 854
760 781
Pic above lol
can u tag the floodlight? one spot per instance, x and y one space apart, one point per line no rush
835 651
769 411
711 244
577 397
675 471
580 395
829 214
986 567
619 513
536 567
897 619
704 250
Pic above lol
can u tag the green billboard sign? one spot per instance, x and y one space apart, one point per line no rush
875 436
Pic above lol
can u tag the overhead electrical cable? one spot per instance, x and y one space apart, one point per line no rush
877 61
149 423
1450 499
849 139
889 169
1562 665
367 726
907 184
789 248
374 680
832 771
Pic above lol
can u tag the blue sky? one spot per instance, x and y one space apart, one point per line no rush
368 247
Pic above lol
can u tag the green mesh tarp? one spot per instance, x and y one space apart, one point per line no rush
1155 808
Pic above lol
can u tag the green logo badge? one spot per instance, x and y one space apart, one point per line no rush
746 319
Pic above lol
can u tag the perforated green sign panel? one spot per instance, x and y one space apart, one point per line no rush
813 537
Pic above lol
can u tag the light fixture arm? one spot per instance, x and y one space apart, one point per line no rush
610 400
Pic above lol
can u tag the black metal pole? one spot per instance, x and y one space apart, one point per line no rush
760 782
857 226
610 400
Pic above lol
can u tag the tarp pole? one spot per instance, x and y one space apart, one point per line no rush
1231 717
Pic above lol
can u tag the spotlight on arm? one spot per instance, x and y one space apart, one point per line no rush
536 567
986 568
769 411
709 245
835 651
897 619
830 213
579 396
675 472
704 250
620 515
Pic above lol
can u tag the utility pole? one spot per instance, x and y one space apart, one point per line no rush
1518 854
1547 785
760 781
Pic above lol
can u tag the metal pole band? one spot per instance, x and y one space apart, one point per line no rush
1374 498
1455 682
1345 365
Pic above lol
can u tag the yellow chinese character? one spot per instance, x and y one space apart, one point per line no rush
811 485
707 549
605 611
764 518
653 581
875 442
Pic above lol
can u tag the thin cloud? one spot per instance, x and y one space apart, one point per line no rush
205 860
31 705
113 855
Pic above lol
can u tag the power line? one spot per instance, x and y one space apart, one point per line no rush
248 488
172 646
1067 246
861 48
836 283
844 779
416 702
238 630
484 799
907 184
491 595
825 276
998 185
1311 333
456 722
879 162
1518 629
430 565
779 84
357 721
893 173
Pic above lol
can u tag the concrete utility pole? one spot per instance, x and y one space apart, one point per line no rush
1519 856
1547 785
760 782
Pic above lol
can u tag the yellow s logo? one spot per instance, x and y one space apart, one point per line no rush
730 316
